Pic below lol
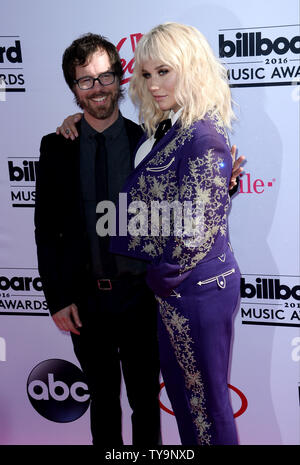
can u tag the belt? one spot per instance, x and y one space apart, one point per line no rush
104 284
107 284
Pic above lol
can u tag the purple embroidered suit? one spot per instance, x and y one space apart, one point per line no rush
192 270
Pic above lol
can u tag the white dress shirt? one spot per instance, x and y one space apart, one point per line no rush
146 147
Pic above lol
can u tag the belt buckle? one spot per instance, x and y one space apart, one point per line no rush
107 285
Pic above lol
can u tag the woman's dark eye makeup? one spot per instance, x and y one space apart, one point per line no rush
161 72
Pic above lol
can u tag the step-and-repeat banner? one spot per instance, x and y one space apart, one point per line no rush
43 395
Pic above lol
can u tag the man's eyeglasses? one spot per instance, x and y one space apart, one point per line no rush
87 82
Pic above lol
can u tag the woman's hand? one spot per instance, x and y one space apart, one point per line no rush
68 128
236 168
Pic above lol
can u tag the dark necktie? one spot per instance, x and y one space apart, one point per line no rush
101 183
101 173
161 130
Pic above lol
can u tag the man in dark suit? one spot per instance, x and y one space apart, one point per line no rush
100 298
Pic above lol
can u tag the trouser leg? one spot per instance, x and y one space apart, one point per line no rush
212 351
140 365
97 351
199 329
175 387
121 324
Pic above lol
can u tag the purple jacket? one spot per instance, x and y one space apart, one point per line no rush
181 191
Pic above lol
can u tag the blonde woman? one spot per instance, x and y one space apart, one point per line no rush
192 271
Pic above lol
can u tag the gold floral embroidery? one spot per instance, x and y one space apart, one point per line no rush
219 125
181 137
203 172
202 184
179 332
158 187
154 187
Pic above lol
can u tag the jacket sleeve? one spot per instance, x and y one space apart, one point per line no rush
49 238
203 176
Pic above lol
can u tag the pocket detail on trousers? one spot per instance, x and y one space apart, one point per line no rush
220 279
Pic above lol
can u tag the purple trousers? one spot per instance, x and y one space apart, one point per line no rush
195 329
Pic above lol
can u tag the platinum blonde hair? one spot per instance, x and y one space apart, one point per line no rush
202 83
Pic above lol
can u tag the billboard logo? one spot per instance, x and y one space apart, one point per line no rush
265 56
21 294
268 289
252 44
270 300
11 60
13 53
57 390
25 172
20 283
22 176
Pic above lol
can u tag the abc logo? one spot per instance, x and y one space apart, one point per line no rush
58 391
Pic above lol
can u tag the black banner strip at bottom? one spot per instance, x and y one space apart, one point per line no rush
158 454
270 324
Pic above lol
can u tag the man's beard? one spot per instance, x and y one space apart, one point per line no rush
102 112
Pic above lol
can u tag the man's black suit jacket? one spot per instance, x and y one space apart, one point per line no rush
62 244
